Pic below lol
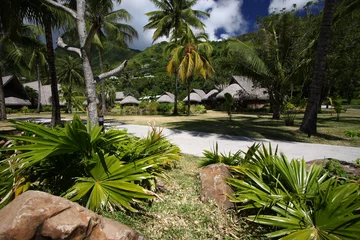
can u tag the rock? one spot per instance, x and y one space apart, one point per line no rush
350 168
39 215
213 186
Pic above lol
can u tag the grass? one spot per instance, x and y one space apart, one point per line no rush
181 215
251 125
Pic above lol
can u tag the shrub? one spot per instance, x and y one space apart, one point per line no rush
24 110
289 114
129 110
352 133
46 109
9 110
298 203
197 109
109 170
213 156
165 108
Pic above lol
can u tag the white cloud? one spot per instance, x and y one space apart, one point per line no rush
225 15
277 5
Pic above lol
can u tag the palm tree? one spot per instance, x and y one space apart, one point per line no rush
170 18
36 11
70 74
9 23
37 59
277 59
86 37
112 29
308 124
190 58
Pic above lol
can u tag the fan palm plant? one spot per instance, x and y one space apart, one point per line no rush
190 58
171 17
100 170
304 204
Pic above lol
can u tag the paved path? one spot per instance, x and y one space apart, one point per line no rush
195 142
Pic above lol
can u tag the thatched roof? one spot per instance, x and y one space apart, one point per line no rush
14 101
210 95
14 91
46 94
200 92
243 87
166 98
119 96
129 100
195 96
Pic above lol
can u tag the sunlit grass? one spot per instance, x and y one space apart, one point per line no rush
180 214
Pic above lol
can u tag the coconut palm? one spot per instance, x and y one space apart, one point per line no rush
111 29
308 124
70 75
86 36
37 60
170 18
275 62
190 58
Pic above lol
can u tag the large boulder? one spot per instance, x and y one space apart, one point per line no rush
213 186
39 215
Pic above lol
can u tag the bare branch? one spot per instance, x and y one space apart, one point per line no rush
62 7
61 44
111 72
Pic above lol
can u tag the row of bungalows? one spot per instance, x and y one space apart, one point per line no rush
242 89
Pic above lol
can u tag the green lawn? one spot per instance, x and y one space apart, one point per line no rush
254 125
179 214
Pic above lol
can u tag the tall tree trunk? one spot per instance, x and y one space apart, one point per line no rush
176 112
308 124
2 98
39 87
189 83
88 74
103 98
50 57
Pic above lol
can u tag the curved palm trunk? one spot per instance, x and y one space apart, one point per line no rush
2 98
308 124
55 115
39 87
176 112
189 83
103 98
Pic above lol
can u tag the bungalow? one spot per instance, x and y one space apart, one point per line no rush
167 97
243 90
209 100
14 92
45 94
129 101
119 96
196 96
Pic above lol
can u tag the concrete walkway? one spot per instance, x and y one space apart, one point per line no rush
195 142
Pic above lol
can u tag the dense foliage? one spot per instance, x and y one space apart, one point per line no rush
300 202
109 169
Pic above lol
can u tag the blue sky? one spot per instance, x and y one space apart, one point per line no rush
228 18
